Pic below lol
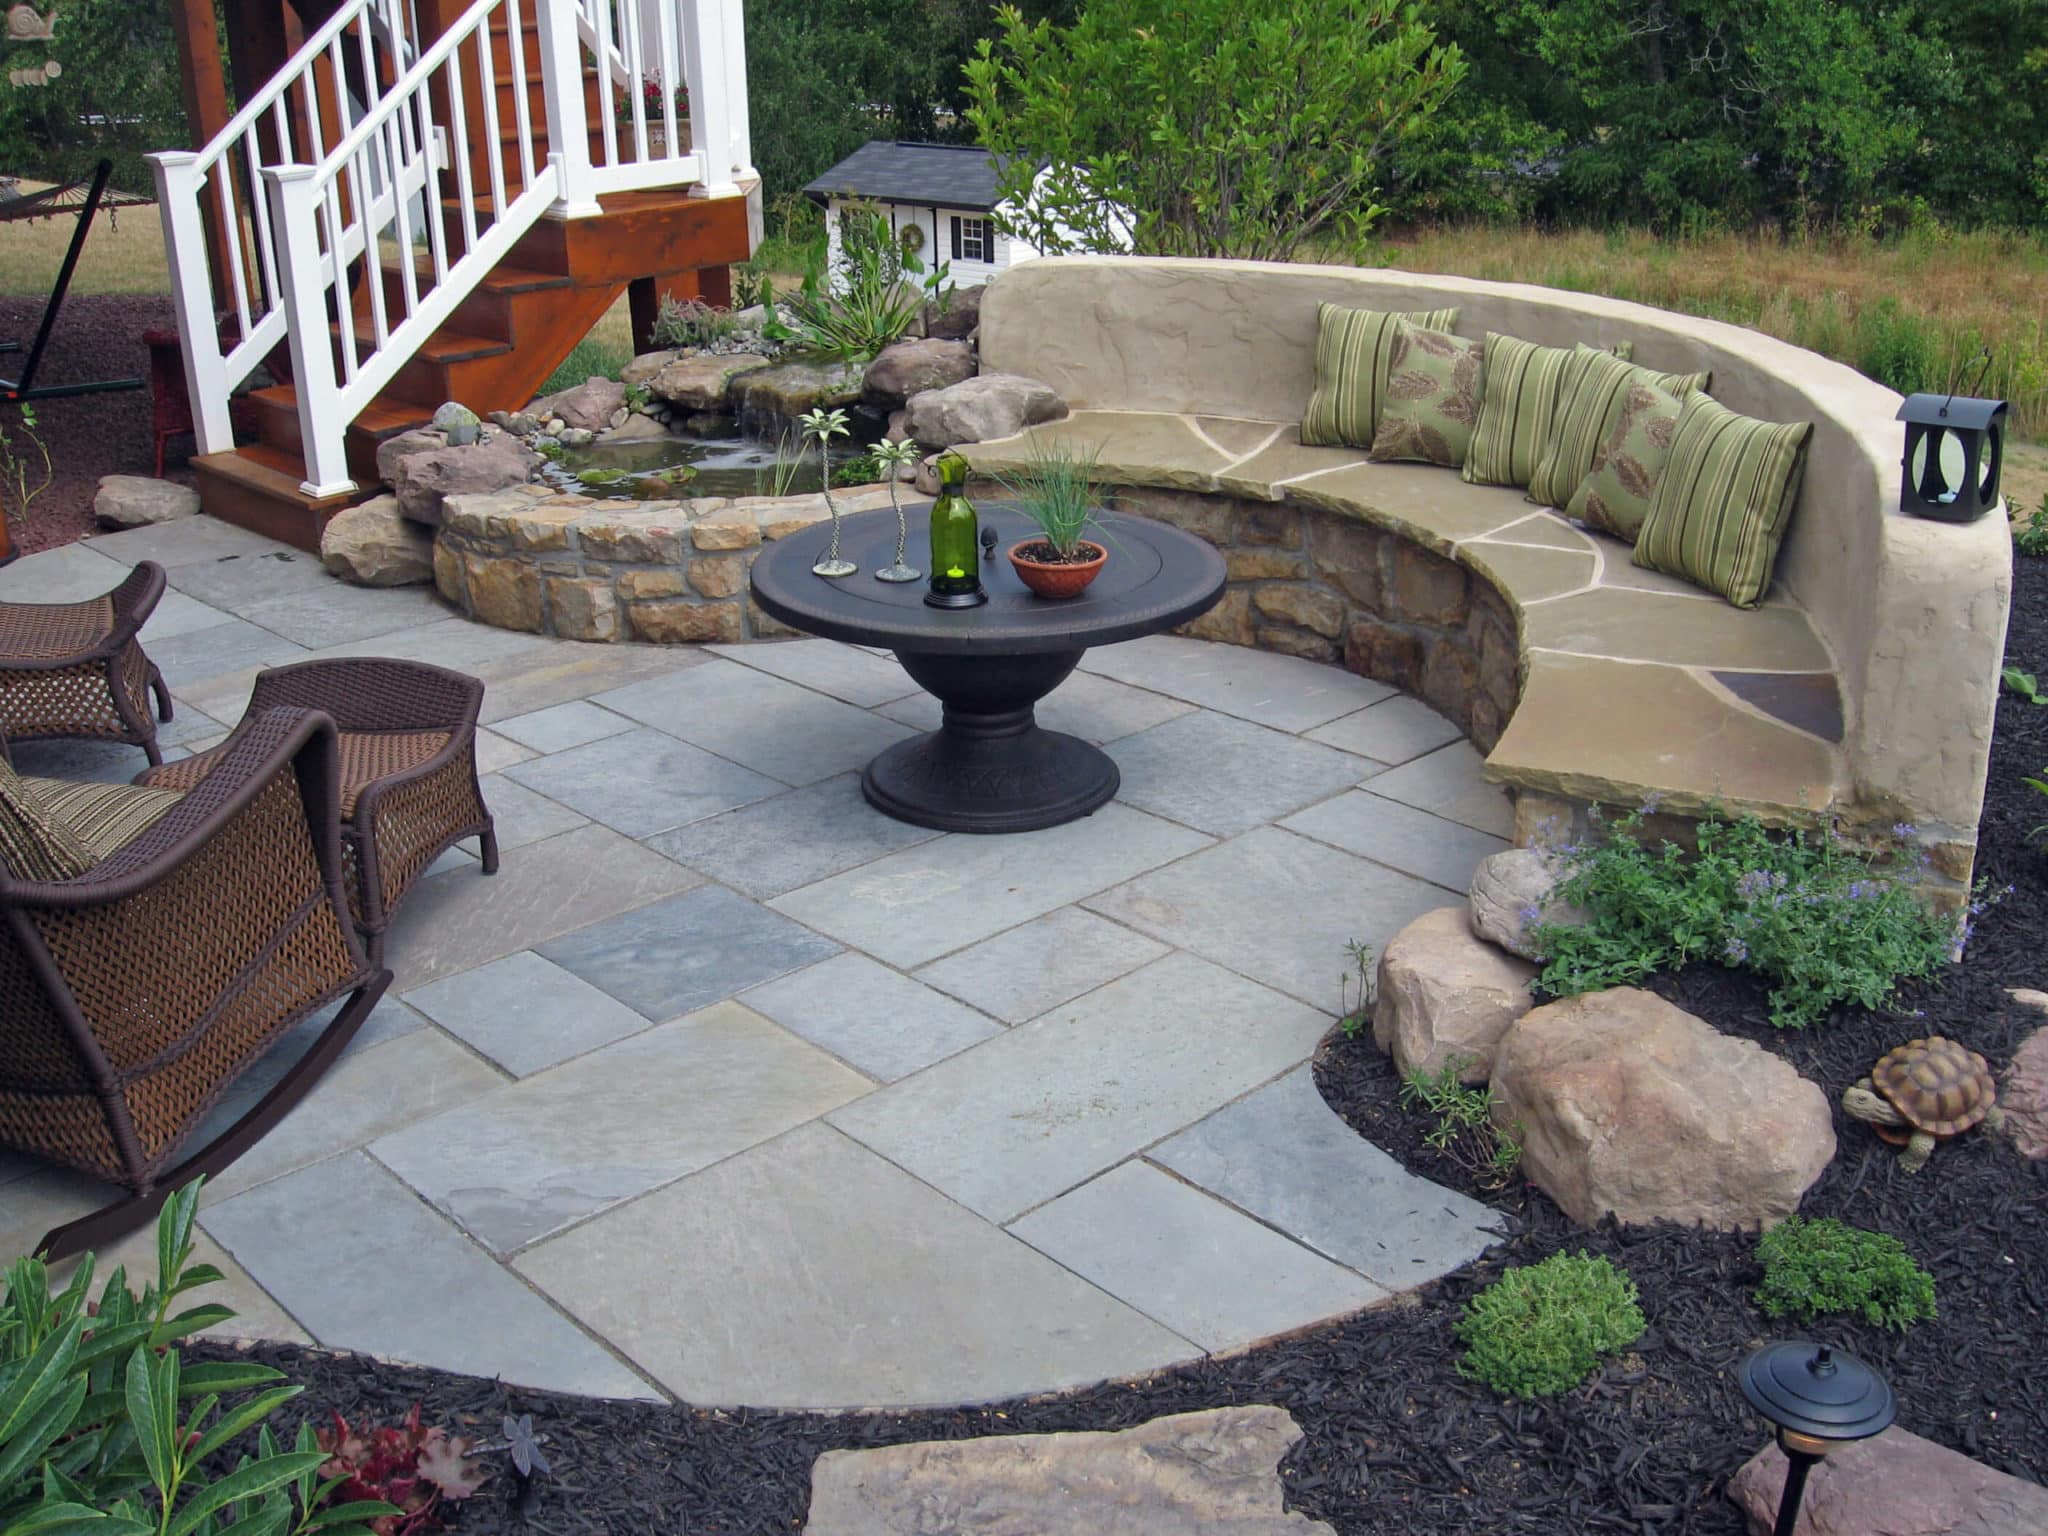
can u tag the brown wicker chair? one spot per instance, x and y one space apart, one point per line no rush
133 995
76 669
408 770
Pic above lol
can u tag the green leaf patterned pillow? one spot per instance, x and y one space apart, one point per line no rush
1721 509
1586 417
1616 496
1524 383
1434 381
1351 371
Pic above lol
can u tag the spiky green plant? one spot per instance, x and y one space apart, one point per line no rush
1058 489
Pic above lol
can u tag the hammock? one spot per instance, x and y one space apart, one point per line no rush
87 198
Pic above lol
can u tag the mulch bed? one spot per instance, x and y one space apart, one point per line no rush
97 337
1396 1441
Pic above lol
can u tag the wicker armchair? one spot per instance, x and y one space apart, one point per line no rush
408 770
76 669
133 995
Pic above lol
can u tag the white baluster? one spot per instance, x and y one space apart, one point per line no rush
295 199
717 63
561 66
206 381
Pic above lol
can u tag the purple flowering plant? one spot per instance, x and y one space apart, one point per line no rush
1824 921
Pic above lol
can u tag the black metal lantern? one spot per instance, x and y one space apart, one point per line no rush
1817 1401
1955 447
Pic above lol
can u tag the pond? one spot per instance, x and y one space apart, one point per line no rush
669 468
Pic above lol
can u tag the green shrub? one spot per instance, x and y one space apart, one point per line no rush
2031 537
1822 922
1465 1131
1815 1268
689 324
1543 1328
104 1428
882 288
861 469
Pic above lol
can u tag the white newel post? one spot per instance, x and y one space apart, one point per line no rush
295 194
561 68
178 187
716 59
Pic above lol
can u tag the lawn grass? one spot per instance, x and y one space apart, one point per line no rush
123 254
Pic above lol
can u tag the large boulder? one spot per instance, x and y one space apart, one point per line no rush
2024 1098
1216 1472
793 389
1443 993
1626 1104
1894 1484
589 405
958 318
703 382
979 410
907 368
647 365
422 469
374 545
1512 893
136 501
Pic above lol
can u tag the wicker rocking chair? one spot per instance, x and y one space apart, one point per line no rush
135 992
76 669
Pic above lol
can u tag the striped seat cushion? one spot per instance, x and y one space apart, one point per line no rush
1352 351
103 817
366 757
1524 385
35 844
1586 418
1723 504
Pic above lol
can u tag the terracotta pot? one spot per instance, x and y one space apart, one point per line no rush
1049 580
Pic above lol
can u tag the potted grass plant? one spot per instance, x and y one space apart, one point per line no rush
1057 490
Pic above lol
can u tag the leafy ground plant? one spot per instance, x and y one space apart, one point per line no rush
1357 988
410 1469
1541 1329
881 289
2031 537
25 468
104 1429
1822 922
2040 784
2023 684
1817 1268
1465 1130
689 324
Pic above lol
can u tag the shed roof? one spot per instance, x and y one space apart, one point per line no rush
932 175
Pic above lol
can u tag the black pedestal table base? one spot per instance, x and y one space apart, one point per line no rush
990 767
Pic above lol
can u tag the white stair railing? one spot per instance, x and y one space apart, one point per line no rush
674 76
214 208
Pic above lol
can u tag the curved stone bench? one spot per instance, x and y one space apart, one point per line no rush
1863 689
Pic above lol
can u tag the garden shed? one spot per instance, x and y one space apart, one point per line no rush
939 198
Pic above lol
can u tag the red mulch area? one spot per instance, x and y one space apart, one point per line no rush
97 337
1397 1444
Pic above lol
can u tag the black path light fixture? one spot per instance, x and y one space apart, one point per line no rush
1955 447
1818 1401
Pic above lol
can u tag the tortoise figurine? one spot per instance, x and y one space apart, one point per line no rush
1922 1092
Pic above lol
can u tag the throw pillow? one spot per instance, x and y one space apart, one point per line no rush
1434 381
1616 496
1524 383
35 844
1721 509
1351 371
1586 417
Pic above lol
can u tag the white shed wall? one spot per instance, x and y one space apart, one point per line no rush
938 241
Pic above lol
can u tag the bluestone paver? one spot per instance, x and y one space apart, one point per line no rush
525 1013
1284 692
1447 783
1395 730
811 1273
843 671
1187 1260
521 815
1224 776
334 611
643 782
517 1164
878 1020
791 839
1399 836
562 726
1040 964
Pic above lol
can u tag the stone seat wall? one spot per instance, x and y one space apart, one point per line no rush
1863 689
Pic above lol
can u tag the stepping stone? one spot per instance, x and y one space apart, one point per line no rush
1215 1472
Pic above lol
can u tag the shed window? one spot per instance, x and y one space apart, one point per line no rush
973 240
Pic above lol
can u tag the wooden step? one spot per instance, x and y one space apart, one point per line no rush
257 487
445 346
277 424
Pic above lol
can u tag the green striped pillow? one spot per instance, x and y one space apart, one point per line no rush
1586 417
1524 383
1725 500
1352 347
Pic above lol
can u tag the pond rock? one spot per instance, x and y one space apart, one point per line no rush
135 501
980 410
958 318
1442 992
373 545
1511 893
2024 1098
1216 1472
790 390
701 382
1895 1484
907 368
647 365
422 469
1627 1104
589 405
634 429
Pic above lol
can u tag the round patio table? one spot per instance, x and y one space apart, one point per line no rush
990 767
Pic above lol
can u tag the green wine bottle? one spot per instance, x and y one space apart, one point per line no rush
956 545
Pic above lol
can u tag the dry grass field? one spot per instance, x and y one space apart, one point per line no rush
123 254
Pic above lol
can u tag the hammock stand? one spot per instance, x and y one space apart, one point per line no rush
47 204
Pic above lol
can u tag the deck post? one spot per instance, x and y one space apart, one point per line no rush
715 56
295 196
187 249
561 72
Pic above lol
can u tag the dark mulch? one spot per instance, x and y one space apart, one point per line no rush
1395 1441
97 337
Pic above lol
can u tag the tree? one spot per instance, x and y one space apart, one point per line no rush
117 97
1204 127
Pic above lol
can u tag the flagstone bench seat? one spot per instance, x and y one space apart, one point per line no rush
1862 689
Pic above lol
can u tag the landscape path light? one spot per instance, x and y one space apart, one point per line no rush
1818 1401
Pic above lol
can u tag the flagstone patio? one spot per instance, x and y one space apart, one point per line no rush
729 1088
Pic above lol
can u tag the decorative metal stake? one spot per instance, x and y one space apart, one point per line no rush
891 456
825 425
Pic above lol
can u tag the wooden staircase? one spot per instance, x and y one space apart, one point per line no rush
507 335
